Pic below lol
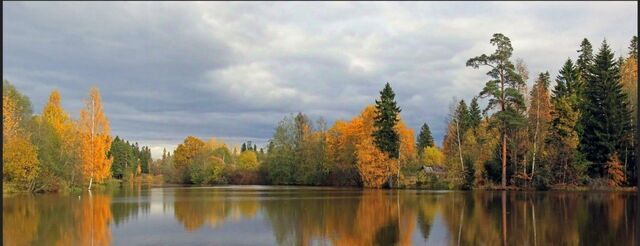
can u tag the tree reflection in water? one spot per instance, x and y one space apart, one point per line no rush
327 216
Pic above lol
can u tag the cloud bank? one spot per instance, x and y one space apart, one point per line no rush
233 70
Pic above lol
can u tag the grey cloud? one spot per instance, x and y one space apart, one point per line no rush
233 70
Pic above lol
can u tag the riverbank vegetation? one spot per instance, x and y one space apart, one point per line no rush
578 133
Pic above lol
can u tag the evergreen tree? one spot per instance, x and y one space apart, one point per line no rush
385 135
463 117
502 90
606 118
633 48
585 59
243 148
475 115
567 81
424 138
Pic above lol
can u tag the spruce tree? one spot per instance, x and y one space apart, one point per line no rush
567 81
463 117
243 148
585 59
633 48
424 138
385 135
606 118
475 115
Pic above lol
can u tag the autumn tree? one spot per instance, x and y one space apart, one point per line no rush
615 174
57 141
629 81
20 164
184 154
350 144
248 161
95 139
432 156
562 140
502 89
539 118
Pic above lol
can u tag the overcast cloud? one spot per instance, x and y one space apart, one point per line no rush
233 70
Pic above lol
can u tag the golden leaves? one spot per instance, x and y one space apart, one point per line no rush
95 139
351 144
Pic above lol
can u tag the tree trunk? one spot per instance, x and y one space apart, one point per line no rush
459 147
504 133
90 182
504 160
535 138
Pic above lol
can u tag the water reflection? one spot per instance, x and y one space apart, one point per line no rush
320 216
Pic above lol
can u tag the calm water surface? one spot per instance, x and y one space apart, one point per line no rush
260 215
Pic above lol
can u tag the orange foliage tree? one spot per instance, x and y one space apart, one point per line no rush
95 139
20 162
351 144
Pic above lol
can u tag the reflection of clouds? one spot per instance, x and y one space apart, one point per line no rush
303 216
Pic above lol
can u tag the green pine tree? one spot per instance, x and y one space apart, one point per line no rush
633 47
424 138
568 80
385 136
585 59
475 115
606 117
502 91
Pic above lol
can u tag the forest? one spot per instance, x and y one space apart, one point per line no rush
578 133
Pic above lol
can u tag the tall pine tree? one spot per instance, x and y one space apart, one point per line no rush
502 90
385 135
606 117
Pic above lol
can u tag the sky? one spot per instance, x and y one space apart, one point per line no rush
232 71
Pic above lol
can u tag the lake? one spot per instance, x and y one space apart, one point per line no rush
283 215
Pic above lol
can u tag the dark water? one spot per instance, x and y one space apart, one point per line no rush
258 215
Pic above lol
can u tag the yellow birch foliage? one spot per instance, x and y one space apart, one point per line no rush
187 150
248 161
629 81
61 123
10 119
432 156
95 139
55 114
20 162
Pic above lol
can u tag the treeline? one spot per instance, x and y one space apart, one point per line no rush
198 162
51 151
580 132
129 159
